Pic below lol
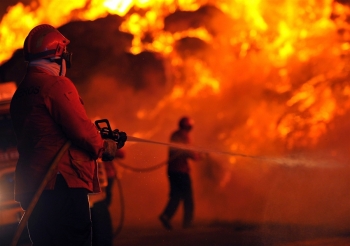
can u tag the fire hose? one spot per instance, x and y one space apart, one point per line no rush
121 196
119 185
106 132
119 138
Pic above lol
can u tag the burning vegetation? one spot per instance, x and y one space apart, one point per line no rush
262 78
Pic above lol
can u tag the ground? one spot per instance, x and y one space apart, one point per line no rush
229 234
236 233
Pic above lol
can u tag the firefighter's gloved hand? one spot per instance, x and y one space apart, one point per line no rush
110 147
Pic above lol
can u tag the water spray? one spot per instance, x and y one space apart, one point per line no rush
120 138
190 147
285 161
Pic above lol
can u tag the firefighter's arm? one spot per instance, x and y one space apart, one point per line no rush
67 110
193 155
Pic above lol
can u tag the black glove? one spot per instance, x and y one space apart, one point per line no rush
110 147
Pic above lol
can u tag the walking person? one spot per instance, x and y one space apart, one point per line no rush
179 176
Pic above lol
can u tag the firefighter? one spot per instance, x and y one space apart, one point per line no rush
102 229
47 111
111 173
179 176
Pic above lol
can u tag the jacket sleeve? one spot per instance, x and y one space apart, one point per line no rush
67 109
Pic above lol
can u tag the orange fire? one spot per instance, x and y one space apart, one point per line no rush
273 38
281 36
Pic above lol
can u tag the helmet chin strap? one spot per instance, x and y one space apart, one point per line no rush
63 68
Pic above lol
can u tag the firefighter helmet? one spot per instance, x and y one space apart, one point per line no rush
186 123
44 41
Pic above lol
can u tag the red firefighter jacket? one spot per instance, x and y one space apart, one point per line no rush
178 158
47 111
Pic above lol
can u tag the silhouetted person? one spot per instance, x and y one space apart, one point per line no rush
179 176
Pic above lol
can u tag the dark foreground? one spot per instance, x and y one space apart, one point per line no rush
230 234
219 233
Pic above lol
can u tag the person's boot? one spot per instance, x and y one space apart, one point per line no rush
165 222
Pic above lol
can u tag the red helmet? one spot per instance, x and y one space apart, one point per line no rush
44 41
186 123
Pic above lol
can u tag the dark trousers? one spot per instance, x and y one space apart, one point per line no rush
180 190
61 217
102 231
